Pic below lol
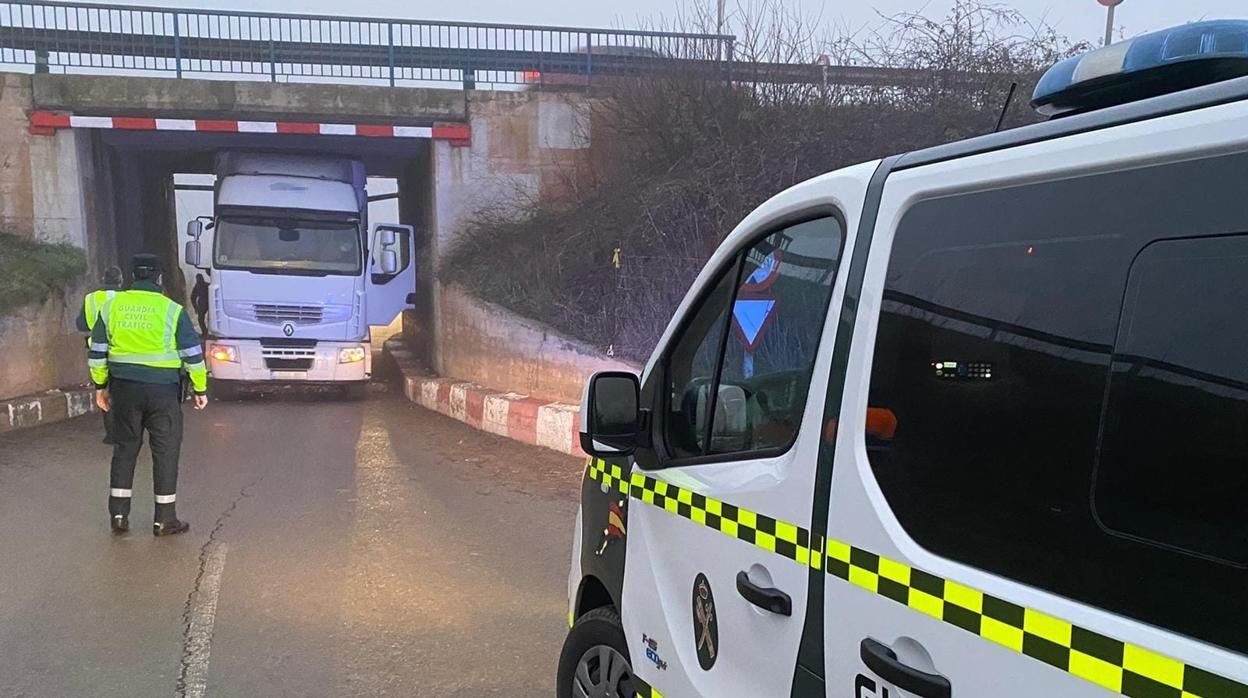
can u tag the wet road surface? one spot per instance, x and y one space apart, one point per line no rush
336 549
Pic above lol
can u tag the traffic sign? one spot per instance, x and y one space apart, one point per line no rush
750 316
1110 3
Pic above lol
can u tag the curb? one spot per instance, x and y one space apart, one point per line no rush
45 408
553 425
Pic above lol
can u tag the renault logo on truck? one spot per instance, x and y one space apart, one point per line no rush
288 328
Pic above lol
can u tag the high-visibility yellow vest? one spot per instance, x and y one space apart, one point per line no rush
93 303
142 329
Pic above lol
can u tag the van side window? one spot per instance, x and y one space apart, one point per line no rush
769 312
1045 407
1174 454
691 369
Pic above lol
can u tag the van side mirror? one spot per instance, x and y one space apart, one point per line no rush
389 262
193 253
611 416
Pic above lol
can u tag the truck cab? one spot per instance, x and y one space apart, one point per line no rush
296 275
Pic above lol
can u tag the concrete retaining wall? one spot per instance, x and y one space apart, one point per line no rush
41 348
488 345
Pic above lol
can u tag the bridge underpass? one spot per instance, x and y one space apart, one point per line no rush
91 160
143 165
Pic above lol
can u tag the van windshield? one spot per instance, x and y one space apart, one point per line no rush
283 245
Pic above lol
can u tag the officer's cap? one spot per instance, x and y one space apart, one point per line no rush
147 263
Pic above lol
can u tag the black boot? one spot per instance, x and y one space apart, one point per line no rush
167 523
121 523
170 528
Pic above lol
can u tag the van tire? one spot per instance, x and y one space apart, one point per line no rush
600 627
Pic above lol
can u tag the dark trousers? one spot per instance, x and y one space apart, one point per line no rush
108 427
156 409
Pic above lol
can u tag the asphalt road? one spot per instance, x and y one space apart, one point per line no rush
350 549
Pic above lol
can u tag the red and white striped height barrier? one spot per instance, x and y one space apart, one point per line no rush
48 122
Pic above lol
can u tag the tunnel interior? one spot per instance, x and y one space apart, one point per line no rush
136 199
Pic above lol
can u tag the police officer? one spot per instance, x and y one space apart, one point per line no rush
92 304
138 346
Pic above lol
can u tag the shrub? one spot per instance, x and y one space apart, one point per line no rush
31 272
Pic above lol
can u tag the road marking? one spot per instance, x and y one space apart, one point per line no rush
193 680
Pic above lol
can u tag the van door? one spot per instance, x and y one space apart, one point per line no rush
718 543
391 272
1040 462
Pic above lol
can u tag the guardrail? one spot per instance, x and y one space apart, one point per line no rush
96 38
86 37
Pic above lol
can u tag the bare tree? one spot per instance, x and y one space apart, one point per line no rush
678 159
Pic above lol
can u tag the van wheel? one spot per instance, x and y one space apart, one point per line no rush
594 661
355 391
224 392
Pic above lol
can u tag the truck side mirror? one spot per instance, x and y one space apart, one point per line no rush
194 229
386 238
611 417
193 253
389 262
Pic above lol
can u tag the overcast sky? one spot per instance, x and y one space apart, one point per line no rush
1078 19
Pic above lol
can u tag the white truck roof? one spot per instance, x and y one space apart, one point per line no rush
286 192
338 169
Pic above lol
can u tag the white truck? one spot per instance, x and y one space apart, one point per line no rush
296 275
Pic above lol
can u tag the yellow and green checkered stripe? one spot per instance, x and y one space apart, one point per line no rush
1113 664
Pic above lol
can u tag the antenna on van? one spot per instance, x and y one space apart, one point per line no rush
1005 108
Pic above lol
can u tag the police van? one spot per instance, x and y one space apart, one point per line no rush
970 421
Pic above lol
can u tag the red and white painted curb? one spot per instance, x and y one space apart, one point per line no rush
47 123
553 425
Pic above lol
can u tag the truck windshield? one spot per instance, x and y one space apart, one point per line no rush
280 245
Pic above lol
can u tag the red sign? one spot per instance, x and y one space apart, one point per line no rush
1110 3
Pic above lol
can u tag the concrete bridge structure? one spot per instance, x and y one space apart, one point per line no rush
88 160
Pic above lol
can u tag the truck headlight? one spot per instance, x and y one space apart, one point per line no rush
350 355
224 352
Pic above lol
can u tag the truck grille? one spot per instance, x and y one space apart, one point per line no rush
298 314
287 364
288 358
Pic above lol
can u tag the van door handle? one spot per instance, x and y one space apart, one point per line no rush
765 598
883 662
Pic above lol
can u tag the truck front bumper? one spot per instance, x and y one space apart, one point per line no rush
254 362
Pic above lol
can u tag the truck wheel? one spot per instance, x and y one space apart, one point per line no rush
225 392
594 661
355 391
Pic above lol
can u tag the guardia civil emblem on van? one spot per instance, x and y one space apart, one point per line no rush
705 626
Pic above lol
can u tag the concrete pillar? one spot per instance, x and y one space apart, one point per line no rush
17 214
416 208
60 165
128 199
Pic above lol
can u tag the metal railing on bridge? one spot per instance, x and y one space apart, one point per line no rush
96 38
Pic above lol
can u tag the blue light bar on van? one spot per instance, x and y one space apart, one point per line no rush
1146 66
